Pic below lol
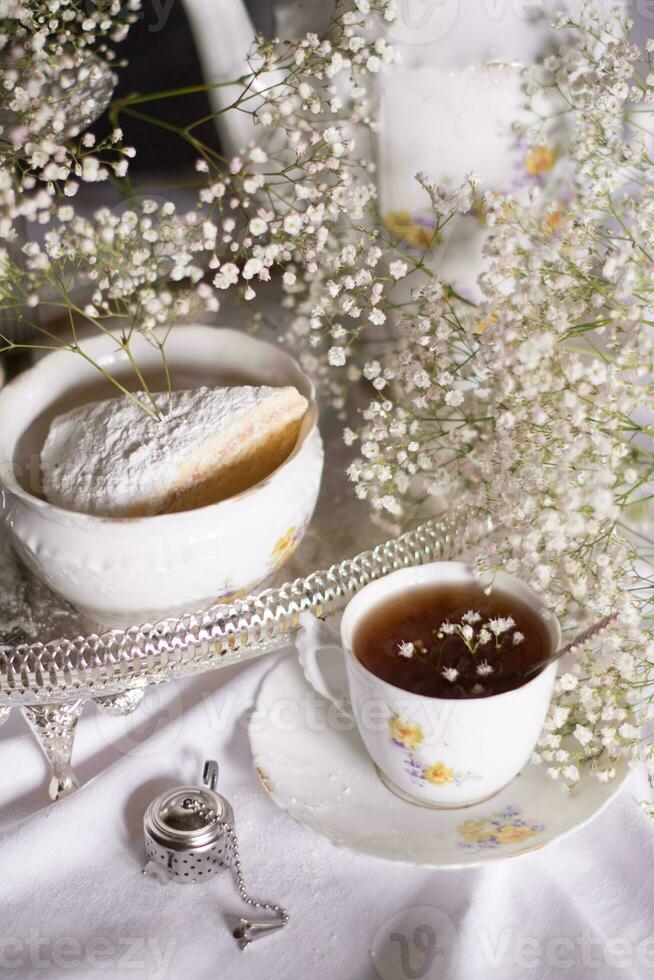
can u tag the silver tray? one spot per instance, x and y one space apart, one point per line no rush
52 661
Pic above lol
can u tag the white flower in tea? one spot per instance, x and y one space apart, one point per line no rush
476 636
431 646
500 625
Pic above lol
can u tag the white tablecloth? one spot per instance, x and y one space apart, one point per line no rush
74 904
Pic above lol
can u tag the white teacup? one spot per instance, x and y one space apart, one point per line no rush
435 751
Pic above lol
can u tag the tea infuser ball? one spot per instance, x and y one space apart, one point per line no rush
189 836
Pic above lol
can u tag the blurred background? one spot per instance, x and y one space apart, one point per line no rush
162 53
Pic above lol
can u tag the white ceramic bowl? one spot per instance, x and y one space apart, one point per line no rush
128 571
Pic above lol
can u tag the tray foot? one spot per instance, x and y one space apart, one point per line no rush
54 726
118 705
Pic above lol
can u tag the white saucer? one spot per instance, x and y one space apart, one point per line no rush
313 764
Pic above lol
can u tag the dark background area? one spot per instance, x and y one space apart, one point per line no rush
164 57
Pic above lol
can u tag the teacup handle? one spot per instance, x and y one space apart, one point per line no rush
314 640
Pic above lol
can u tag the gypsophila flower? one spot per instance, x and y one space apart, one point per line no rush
227 276
258 226
337 356
398 269
583 735
500 625
292 224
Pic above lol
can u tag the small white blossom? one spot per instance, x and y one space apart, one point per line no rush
292 224
398 269
501 624
227 276
583 735
337 356
258 226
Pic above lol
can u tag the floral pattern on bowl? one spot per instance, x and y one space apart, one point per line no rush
502 828
281 552
232 595
286 545
408 737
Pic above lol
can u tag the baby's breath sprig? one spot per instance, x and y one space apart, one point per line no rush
142 267
477 632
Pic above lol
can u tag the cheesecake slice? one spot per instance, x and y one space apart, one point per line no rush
111 459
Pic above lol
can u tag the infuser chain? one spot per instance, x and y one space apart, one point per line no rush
246 931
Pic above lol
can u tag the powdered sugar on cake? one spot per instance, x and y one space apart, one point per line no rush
110 458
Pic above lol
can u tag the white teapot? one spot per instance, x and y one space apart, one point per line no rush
223 34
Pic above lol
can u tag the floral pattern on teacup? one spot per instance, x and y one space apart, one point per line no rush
409 736
403 733
436 773
505 827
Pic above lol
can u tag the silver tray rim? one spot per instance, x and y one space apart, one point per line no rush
104 666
